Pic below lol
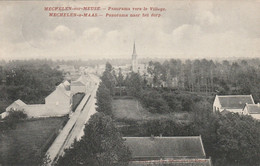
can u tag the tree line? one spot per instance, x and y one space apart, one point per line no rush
155 100
207 76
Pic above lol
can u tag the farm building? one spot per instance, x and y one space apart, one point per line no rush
167 150
252 110
231 103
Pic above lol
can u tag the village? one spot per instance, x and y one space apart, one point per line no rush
86 83
130 83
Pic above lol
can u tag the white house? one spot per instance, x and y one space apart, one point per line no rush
32 110
58 103
17 105
78 87
60 99
82 84
252 110
231 103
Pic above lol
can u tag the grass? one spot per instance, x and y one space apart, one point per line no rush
131 109
17 146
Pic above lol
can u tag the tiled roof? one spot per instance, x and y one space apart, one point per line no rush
174 162
253 108
235 101
163 147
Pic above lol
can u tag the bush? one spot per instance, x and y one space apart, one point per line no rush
16 115
154 102
13 117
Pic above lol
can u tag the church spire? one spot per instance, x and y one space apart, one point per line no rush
134 52
134 60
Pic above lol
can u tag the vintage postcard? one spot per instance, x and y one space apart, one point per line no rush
130 82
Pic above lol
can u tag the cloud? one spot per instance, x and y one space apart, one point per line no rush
204 14
186 33
93 34
207 18
62 33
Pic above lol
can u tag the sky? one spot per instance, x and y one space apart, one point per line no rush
187 29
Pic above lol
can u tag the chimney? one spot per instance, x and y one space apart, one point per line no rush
160 134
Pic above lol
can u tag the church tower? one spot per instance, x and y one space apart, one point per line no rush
134 60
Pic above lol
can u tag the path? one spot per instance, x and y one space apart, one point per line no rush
75 125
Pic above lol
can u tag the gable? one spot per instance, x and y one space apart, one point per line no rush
17 105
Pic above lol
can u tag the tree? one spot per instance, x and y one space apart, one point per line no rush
101 145
108 78
238 140
109 67
134 84
154 102
104 99
120 80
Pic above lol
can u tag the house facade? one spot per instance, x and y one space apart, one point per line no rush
82 85
60 99
231 103
78 87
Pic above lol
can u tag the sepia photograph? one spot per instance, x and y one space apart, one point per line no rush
130 83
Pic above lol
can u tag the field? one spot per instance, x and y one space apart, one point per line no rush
131 109
18 146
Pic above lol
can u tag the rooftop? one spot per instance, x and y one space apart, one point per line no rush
253 108
84 79
166 147
235 101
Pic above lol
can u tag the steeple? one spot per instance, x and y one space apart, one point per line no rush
134 52
134 60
